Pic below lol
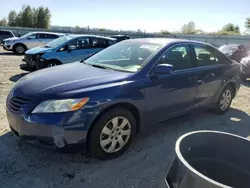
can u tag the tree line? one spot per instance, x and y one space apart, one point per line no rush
40 18
28 17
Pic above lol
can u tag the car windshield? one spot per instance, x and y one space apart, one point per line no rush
126 56
59 41
228 48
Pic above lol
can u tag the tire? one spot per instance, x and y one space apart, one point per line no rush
51 64
104 147
243 77
19 49
225 99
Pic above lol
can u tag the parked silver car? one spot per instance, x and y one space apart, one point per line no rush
20 44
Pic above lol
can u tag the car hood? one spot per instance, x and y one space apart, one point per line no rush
38 50
70 79
12 38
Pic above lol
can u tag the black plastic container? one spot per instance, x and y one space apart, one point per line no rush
210 159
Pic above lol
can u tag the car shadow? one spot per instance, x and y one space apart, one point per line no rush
16 77
8 54
150 155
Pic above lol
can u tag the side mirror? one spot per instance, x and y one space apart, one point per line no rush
163 69
71 47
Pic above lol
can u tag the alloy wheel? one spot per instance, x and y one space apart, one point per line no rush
115 134
225 100
20 49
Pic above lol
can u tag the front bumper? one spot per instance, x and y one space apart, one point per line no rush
31 63
7 46
58 135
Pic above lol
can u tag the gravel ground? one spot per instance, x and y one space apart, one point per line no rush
143 165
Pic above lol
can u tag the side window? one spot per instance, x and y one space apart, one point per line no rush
42 36
205 56
99 43
178 56
82 43
51 36
33 36
110 42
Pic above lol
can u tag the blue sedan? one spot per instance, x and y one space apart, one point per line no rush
105 101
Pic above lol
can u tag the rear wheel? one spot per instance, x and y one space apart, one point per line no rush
112 133
225 100
243 77
19 49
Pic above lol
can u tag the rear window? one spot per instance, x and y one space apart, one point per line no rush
6 33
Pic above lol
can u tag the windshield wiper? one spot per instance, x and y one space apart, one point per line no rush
99 66
94 65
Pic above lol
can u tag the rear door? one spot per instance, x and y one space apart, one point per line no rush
211 69
50 37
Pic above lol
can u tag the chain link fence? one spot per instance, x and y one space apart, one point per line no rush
214 40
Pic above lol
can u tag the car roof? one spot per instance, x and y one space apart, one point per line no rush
84 35
44 32
6 30
165 41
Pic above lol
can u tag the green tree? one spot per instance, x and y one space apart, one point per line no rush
12 18
164 32
188 28
231 28
43 18
3 22
26 16
30 17
247 23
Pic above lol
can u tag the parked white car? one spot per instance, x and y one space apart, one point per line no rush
20 44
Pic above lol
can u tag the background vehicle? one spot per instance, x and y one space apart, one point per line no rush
120 38
67 49
5 34
20 44
234 51
106 100
245 68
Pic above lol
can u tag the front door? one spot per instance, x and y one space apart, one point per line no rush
32 41
82 50
172 94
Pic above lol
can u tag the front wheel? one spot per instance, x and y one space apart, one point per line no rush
112 133
225 100
19 49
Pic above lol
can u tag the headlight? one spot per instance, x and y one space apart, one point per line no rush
9 41
56 106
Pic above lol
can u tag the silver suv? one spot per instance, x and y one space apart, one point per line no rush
20 44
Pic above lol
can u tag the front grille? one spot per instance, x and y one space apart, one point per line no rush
28 58
16 103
